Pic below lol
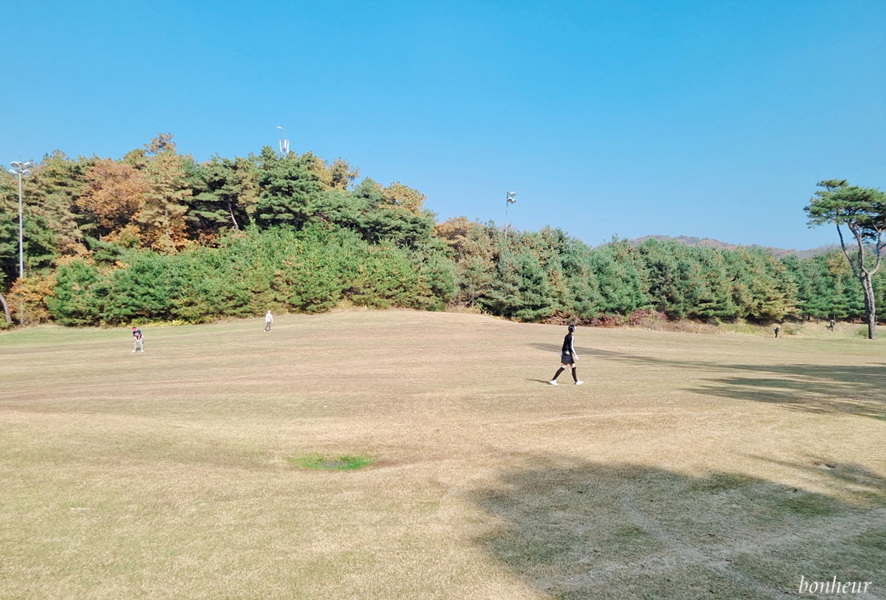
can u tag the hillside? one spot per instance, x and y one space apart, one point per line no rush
712 243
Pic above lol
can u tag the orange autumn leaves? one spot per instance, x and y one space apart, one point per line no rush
139 201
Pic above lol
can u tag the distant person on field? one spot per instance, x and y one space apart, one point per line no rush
832 324
567 358
138 341
269 318
777 329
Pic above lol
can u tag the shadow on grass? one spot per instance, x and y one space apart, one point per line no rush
811 388
857 390
863 484
576 529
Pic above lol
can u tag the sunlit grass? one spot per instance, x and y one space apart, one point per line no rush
398 454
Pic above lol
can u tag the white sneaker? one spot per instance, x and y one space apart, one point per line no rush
579 382
553 382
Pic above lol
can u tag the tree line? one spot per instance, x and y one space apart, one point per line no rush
158 236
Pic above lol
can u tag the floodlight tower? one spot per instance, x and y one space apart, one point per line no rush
512 197
20 169
284 143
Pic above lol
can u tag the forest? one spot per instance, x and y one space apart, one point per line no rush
159 237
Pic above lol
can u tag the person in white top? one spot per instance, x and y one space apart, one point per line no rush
269 318
138 340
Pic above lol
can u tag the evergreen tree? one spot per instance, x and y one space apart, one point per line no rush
161 214
668 277
78 294
620 279
52 191
471 247
584 299
863 212
713 301
225 197
759 289
289 190
394 215
8 228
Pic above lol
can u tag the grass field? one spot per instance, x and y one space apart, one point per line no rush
399 454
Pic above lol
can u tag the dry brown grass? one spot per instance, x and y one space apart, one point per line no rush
687 465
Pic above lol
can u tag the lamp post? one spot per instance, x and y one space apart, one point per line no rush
284 143
20 168
512 197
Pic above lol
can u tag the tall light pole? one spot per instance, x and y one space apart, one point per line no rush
20 168
284 143
512 197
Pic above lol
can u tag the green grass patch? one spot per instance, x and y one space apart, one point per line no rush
810 505
346 462
628 533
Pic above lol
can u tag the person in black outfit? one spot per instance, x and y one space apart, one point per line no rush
567 358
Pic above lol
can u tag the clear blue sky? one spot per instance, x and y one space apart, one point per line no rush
703 118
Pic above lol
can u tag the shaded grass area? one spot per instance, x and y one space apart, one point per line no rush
586 530
822 388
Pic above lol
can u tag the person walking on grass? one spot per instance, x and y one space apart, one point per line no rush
269 318
138 341
568 358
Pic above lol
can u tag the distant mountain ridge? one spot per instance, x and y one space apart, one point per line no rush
712 243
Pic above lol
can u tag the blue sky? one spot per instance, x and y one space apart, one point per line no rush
708 118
